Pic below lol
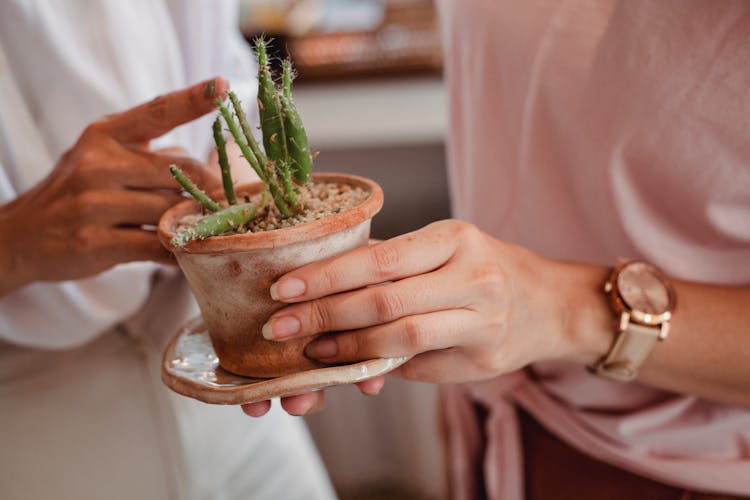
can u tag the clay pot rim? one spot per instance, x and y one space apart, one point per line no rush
234 243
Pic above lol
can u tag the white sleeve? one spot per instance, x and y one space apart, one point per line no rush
207 43
62 314
67 314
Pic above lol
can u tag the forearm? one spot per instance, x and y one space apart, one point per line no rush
708 347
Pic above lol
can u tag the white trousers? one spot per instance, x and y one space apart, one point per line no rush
97 423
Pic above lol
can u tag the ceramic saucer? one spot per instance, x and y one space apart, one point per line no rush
190 367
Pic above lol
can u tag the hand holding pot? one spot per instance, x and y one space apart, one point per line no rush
465 305
86 216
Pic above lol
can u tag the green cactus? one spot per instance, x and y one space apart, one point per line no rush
194 191
287 75
223 221
274 138
226 174
283 165
296 140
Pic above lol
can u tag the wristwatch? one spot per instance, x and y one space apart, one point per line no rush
643 300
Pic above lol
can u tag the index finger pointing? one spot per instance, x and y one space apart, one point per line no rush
160 115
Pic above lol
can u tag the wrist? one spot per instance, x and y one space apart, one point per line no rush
587 326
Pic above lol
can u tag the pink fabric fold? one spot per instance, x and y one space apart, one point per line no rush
483 441
486 453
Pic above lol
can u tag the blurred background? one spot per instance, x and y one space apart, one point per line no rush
370 92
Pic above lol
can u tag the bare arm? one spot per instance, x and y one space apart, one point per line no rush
708 348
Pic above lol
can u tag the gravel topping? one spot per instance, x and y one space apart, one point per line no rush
320 200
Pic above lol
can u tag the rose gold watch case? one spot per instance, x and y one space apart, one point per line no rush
626 311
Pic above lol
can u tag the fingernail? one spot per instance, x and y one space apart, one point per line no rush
322 349
287 289
209 89
280 328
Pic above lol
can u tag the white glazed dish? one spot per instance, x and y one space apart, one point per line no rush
190 367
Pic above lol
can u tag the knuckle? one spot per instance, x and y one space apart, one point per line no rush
485 362
490 280
93 129
349 346
83 206
329 278
490 360
157 108
86 239
461 234
86 156
414 334
443 225
319 316
388 305
467 232
385 259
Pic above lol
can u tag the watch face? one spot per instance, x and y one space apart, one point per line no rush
643 289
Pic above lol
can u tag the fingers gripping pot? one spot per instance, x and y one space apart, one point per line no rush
231 275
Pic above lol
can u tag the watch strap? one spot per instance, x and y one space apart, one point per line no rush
628 352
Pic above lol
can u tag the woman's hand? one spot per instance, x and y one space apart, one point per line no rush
465 305
87 215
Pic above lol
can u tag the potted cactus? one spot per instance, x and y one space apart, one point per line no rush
233 244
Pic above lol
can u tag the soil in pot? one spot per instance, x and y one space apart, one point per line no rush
320 200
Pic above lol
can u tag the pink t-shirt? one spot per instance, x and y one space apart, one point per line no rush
589 130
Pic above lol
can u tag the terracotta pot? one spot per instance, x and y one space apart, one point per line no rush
231 275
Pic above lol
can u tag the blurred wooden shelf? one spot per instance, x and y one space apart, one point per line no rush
391 50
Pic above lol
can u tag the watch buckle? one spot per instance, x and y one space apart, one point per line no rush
664 331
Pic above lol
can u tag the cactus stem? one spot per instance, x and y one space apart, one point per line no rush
296 141
226 173
217 223
237 135
286 178
246 130
194 191
270 108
